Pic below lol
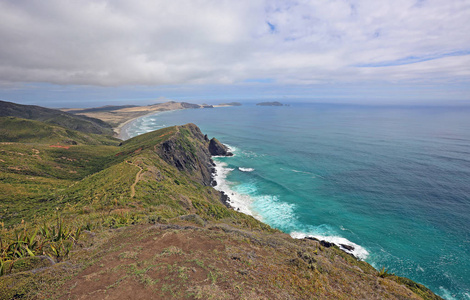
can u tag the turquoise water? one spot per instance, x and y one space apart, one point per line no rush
392 182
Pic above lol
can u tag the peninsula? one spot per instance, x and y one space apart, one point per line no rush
88 216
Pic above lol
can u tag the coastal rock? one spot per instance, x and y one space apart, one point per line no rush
197 161
326 244
216 148
225 199
347 247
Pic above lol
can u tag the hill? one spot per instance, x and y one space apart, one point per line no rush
56 117
14 129
142 221
117 115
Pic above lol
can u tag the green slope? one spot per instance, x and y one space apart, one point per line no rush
13 129
186 243
56 117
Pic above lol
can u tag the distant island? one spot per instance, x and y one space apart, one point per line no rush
275 103
229 104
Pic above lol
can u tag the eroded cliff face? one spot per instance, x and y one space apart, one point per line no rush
190 151
217 148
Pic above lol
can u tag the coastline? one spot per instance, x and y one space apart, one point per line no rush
242 202
120 130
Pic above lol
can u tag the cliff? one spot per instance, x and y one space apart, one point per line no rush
141 221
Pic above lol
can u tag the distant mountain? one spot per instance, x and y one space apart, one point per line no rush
56 117
275 103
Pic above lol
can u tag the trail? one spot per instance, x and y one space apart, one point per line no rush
136 178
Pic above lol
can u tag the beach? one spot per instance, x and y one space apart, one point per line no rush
121 118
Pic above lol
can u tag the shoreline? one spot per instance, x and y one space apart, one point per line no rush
241 203
120 130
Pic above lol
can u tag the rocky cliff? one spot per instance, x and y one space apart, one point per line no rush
143 222
189 151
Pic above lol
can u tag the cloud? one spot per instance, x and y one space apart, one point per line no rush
116 43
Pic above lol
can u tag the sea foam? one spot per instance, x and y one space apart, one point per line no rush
239 202
359 251
243 197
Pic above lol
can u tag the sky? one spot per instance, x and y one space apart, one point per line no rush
86 53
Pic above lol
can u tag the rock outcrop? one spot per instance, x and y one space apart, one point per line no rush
216 148
188 151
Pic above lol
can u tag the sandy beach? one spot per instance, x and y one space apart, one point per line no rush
121 130
123 117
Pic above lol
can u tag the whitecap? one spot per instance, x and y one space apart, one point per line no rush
243 198
240 202
359 251
275 212
446 293
246 169
297 171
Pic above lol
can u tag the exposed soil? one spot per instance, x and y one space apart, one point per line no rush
216 262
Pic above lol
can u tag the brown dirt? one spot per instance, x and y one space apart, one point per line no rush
137 178
217 262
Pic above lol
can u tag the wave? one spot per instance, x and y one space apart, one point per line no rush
239 202
351 248
269 209
448 295
246 169
244 198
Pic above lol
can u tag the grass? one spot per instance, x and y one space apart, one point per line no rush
174 235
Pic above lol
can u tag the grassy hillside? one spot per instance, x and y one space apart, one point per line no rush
38 159
141 221
14 129
56 117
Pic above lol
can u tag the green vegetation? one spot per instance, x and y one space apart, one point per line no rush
19 130
92 219
55 117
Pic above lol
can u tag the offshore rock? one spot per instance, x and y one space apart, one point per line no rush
216 148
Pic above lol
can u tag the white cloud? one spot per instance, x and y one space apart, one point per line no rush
112 43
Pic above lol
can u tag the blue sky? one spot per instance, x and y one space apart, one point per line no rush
95 52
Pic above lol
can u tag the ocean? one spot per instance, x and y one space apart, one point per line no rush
393 182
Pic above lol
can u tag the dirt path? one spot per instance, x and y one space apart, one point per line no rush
136 178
